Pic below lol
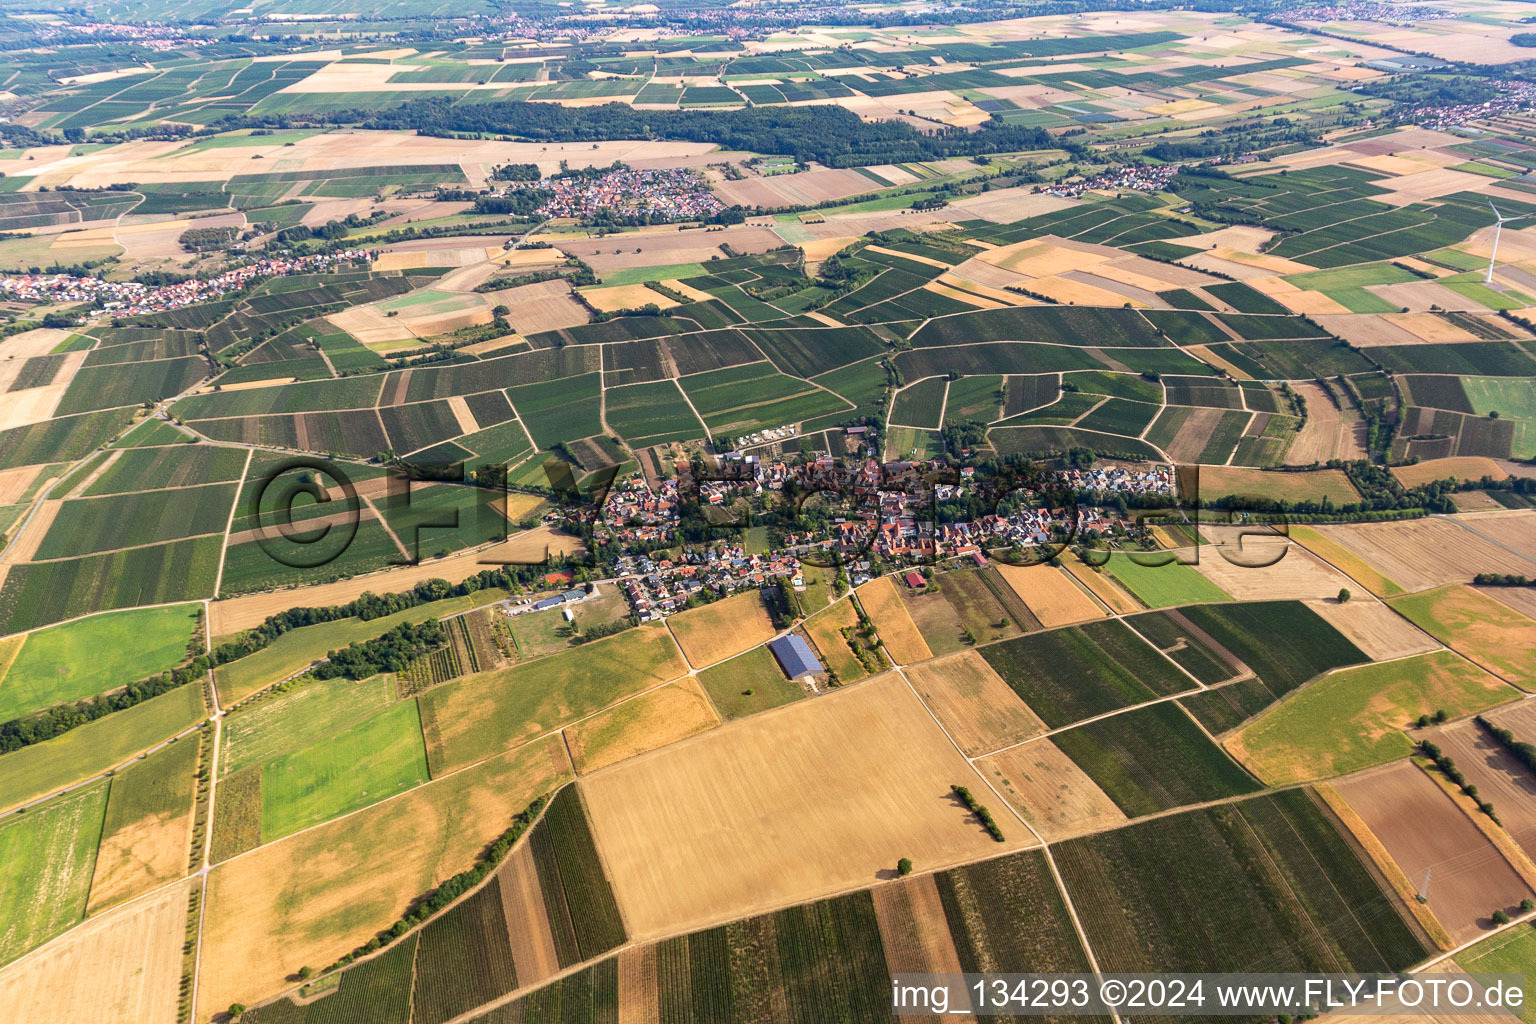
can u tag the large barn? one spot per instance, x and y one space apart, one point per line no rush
795 656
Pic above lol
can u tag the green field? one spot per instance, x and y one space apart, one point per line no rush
1249 630
273 726
1347 285
640 275
464 959
1265 884
808 964
1183 646
36 594
89 656
1152 759
177 465
652 413
984 904
97 746
378 757
745 398
1358 717
297 648
1067 675
584 917
728 682
559 411
1511 952
1476 626
921 404
1163 586
46 859
1513 398
907 442
472 718
160 785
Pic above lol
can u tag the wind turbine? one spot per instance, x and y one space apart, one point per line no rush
1497 228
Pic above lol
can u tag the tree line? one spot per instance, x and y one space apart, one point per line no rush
392 652
829 134
57 720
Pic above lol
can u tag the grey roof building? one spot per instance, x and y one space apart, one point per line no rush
794 656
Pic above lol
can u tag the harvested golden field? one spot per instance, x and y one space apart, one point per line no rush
1328 433
1419 554
1429 327
913 928
1422 829
949 291
1070 291
1484 630
807 188
1298 300
702 832
15 482
1314 485
885 608
33 531
124 966
546 306
522 903
1521 599
625 296
516 506
695 295
1375 628
639 987
1050 593
976 707
667 246
1052 793
307 899
655 719
1346 561
722 630
1515 530
135 859
1103 586
1047 255
1299 574
829 632
32 405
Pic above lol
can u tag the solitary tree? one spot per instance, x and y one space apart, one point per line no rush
1344 594
904 866
1499 917
236 1010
